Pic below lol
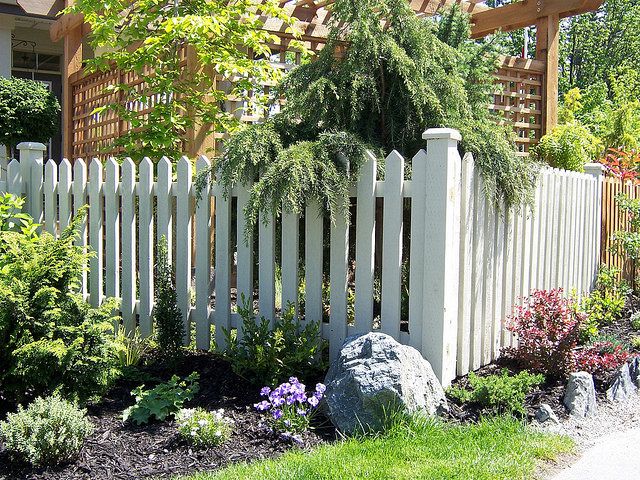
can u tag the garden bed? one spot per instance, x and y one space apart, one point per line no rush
121 451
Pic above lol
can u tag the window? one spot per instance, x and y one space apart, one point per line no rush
36 61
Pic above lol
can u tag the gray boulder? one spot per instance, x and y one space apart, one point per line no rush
375 375
545 413
634 371
622 386
580 396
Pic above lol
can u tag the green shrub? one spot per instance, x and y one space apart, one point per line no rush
49 431
498 393
568 147
51 340
635 343
162 401
130 348
266 355
605 304
202 428
167 317
635 321
29 112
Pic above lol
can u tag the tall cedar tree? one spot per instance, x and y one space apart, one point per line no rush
170 330
384 76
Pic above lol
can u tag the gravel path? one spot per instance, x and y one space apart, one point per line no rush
606 443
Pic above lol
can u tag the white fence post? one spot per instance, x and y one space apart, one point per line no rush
31 167
597 171
442 242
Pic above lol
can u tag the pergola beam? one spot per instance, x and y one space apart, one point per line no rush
526 13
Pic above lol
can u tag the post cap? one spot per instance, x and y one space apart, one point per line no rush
442 134
32 146
595 169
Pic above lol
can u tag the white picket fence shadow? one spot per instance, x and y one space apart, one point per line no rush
468 262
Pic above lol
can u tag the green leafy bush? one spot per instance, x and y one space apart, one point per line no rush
130 348
635 343
569 147
266 355
162 401
498 393
202 428
635 321
51 340
49 431
167 317
29 112
605 304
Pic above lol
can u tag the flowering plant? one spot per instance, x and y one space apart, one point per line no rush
289 406
600 357
202 428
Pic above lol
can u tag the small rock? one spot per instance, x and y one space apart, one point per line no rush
375 375
622 386
545 413
580 396
634 370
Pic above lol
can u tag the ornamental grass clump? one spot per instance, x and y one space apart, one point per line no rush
49 431
202 428
290 408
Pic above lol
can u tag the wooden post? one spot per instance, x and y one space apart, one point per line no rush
547 50
72 65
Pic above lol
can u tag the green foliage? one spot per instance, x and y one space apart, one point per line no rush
569 147
162 401
626 243
49 431
51 340
29 112
498 393
379 85
635 321
635 343
226 40
202 428
167 317
12 219
266 355
130 348
604 305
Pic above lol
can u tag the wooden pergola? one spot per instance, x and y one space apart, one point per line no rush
527 97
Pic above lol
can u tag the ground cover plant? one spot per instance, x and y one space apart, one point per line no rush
202 428
49 431
51 340
498 448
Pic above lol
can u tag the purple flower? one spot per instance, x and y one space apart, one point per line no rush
291 399
313 401
318 396
278 401
265 391
294 380
321 388
263 405
277 414
287 423
301 411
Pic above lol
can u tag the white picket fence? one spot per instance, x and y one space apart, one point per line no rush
469 263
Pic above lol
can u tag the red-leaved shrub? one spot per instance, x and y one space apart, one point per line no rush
600 357
548 328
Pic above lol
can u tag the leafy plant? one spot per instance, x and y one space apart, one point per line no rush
167 317
130 348
271 354
498 393
548 329
12 219
635 321
622 164
601 357
218 42
290 409
29 112
51 340
635 343
605 304
49 431
162 401
202 428
569 147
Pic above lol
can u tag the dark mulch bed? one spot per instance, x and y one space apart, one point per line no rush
119 451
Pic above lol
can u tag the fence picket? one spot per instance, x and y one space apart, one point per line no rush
95 232
338 263
313 257
203 264
245 256
128 189
145 246
164 204
14 178
477 274
290 254
183 244
392 245
112 227
50 203
267 267
79 200
488 279
65 182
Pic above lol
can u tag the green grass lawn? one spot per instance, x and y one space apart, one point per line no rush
498 448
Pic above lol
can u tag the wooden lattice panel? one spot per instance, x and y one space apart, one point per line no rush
519 99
